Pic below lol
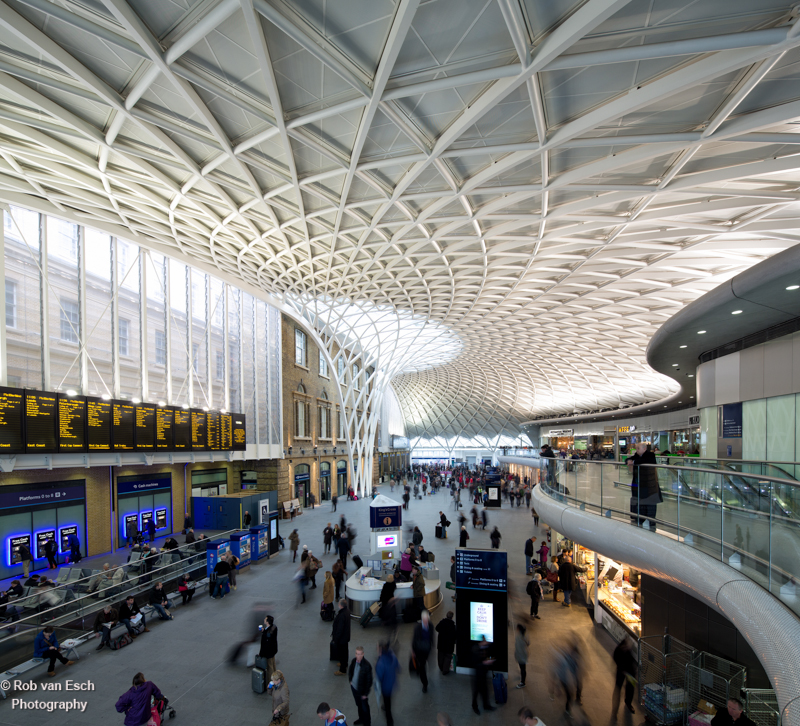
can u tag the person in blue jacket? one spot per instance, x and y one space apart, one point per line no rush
386 669
135 703
46 646
151 530
74 549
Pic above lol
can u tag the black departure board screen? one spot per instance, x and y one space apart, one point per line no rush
212 431
71 423
182 432
145 428
11 439
225 432
165 420
41 422
239 432
122 426
199 425
98 425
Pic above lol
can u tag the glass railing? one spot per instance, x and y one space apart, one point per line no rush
750 522
72 602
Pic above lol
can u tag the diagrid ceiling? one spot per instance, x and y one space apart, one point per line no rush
550 181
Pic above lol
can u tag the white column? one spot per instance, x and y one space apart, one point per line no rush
83 360
210 375
115 280
189 302
145 386
226 350
44 304
168 327
3 351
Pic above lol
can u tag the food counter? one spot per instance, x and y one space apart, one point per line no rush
360 597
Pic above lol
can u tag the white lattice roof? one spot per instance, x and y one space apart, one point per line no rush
549 181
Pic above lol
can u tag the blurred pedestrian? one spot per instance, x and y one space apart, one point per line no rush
421 647
521 644
626 674
447 642
387 668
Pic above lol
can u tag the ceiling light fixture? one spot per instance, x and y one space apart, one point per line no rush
674 365
683 346
737 312
793 287
135 400
162 403
701 332
72 392
691 375
105 397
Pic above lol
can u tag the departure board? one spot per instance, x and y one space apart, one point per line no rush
239 432
212 431
71 423
225 432
123 421
165 419
145 428
11 439
41 422
199 426
182 432
98 424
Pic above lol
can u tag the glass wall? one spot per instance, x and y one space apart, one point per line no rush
75 319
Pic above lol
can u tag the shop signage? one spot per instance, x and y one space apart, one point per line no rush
143 485
694 420
560 432
55 494
626 429
732 421
384 517
263 508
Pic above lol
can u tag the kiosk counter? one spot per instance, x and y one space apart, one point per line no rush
360 597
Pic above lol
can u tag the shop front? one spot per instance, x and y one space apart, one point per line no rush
325 481
560 439
302 484
341 478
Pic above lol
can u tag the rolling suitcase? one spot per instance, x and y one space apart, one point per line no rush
366 617
259 680
357 561
500 688
439 531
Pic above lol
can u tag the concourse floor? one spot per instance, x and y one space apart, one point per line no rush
187 657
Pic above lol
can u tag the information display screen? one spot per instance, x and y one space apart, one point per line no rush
199 426
98 424
481 621
182 430
14 545
482 569
11 439
41 422
145 428
161 518
225 432
165 420
239 432
41 541
64 534
212 431
71 423
387 540
123 426
131 524
146 517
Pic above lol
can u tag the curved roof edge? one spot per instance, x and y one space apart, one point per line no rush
770 628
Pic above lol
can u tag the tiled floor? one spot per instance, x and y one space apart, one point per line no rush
186 658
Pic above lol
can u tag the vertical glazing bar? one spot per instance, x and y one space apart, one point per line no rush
678 508
144 380
168 327
241 351
115 282
268 384
769 545
254 329
602 509
83 358
210 375
226 348
3 351
722 521
44 304
189 338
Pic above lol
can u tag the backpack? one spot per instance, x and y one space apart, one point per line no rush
534 590
121 642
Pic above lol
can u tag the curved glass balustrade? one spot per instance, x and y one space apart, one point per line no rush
751 522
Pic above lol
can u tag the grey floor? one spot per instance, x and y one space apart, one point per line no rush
186 658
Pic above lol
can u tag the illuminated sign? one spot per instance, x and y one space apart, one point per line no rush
64 534
15 543
560 432
146 517
161 518
481 621
41 540
626 429
387 540
131 524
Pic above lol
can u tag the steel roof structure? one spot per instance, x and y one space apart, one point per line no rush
544 183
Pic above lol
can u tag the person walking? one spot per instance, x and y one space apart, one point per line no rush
343 547
45 646
51 552
446 630
340 636
416 539
328 592
330 716
386 669
327 537
421 647
74 549
463 537
312 500
521 644
625 662
360 676
483 662
269 644
339 576
187 522
418 588
645 489
443 522
568 579
535 516
568 671
151 530
529 554
233 561
280 698
536 594
294 543
334 500
495 537
543 551
135 703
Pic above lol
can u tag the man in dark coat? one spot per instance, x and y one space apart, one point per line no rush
421 647
626 669
447 642
343 547
327 538
645 491
568 579
360 676
269 644
734 715
151 529
340 637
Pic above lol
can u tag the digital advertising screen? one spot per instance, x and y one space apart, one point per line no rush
14 544
64 534
131 524
41 423
11 439
481 621
161 518
41 540
387 540
98 424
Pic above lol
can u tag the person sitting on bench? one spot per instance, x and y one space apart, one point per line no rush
46 647
127 612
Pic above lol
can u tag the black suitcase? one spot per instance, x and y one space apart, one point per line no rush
326 612
357 561
259 680
261 663
365 618
411 613
438 531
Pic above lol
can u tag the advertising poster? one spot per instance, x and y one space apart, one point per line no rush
481 623
263 509
387 540
273 529
41 540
